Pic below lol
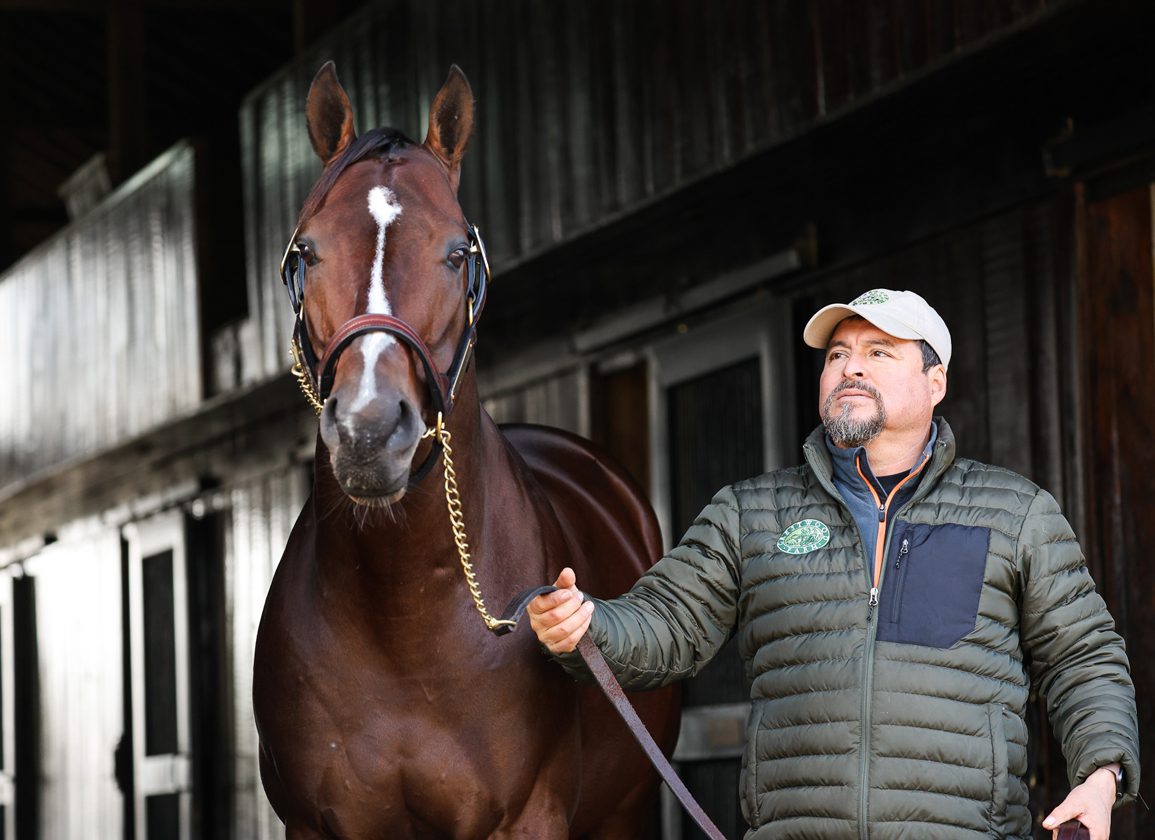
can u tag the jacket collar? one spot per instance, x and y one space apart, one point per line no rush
941 457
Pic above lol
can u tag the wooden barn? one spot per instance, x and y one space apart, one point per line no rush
668 190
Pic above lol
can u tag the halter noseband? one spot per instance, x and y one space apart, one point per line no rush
442 387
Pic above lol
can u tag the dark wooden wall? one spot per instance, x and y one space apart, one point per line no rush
1117 332
589 110
1059 398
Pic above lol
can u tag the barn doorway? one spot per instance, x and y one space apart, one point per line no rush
157 617
713 423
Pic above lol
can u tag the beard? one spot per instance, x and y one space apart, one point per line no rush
845 430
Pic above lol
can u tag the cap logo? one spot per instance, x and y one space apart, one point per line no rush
874 296
803 537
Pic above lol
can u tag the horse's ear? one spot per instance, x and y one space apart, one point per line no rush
451 122
329 114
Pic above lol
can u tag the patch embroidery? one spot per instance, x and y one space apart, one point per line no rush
803 537
874 296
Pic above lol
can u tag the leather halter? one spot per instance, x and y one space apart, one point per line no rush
442 387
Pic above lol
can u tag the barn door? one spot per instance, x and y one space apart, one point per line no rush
157 618
713 424
7 713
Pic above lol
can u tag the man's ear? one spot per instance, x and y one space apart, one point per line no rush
937 379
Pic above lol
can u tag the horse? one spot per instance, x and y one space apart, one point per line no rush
384 708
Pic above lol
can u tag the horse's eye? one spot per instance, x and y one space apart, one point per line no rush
457 258
306 252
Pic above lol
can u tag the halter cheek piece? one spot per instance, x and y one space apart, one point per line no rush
316 375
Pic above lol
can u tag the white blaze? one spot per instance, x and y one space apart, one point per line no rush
385 209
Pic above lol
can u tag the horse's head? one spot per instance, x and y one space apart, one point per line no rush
386 272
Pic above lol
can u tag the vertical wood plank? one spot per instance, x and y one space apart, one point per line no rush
1117 302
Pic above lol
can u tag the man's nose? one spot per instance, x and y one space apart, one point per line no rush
854 369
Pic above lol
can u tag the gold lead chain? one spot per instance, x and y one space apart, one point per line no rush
452 496
298 370
457 522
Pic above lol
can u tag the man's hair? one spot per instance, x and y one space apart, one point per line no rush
929 357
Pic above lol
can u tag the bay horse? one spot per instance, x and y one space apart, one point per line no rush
384 707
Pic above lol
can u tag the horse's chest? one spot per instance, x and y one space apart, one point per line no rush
401 775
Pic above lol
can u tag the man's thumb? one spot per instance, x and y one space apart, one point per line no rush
1057 817
566 579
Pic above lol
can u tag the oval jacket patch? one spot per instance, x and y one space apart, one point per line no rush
804 536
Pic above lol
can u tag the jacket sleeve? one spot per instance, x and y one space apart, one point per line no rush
680 612
1078 661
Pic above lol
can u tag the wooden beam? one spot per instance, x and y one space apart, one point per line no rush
127 107
100 6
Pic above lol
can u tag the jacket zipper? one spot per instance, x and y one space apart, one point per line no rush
900 584
880 546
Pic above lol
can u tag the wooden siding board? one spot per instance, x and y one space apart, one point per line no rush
79 640
620 107
1116 295
104 379
880 27
262 512
588 109
911 41
662 111
1048 283
580 116
1006 337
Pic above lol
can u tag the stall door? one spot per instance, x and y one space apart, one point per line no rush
714 423
7 714
159 665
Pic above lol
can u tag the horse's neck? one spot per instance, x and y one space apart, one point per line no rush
407 557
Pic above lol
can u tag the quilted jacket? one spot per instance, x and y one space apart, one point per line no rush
902 718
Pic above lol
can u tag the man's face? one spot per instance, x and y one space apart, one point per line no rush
873 384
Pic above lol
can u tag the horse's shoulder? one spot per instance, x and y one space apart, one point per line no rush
559 458
604 511
546 448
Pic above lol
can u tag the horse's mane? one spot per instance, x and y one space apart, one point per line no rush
377 142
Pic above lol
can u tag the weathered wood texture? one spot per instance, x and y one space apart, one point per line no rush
262 511
78 599
587 110
1116 330
99 328
1005 285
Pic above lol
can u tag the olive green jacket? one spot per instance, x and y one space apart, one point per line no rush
903 718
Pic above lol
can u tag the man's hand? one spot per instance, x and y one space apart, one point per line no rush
561 618
1090 803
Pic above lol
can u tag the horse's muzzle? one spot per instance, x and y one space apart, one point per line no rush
371 450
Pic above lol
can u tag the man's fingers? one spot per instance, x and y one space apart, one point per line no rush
1081 804
563 638
553 634
570 642
560 618
561 603
1059 816
566 591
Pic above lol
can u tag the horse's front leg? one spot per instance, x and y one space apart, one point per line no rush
302 832
544 826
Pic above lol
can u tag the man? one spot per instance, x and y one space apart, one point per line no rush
893 604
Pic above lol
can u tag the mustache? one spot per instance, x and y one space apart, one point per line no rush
848 385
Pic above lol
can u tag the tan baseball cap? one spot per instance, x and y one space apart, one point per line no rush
900 314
